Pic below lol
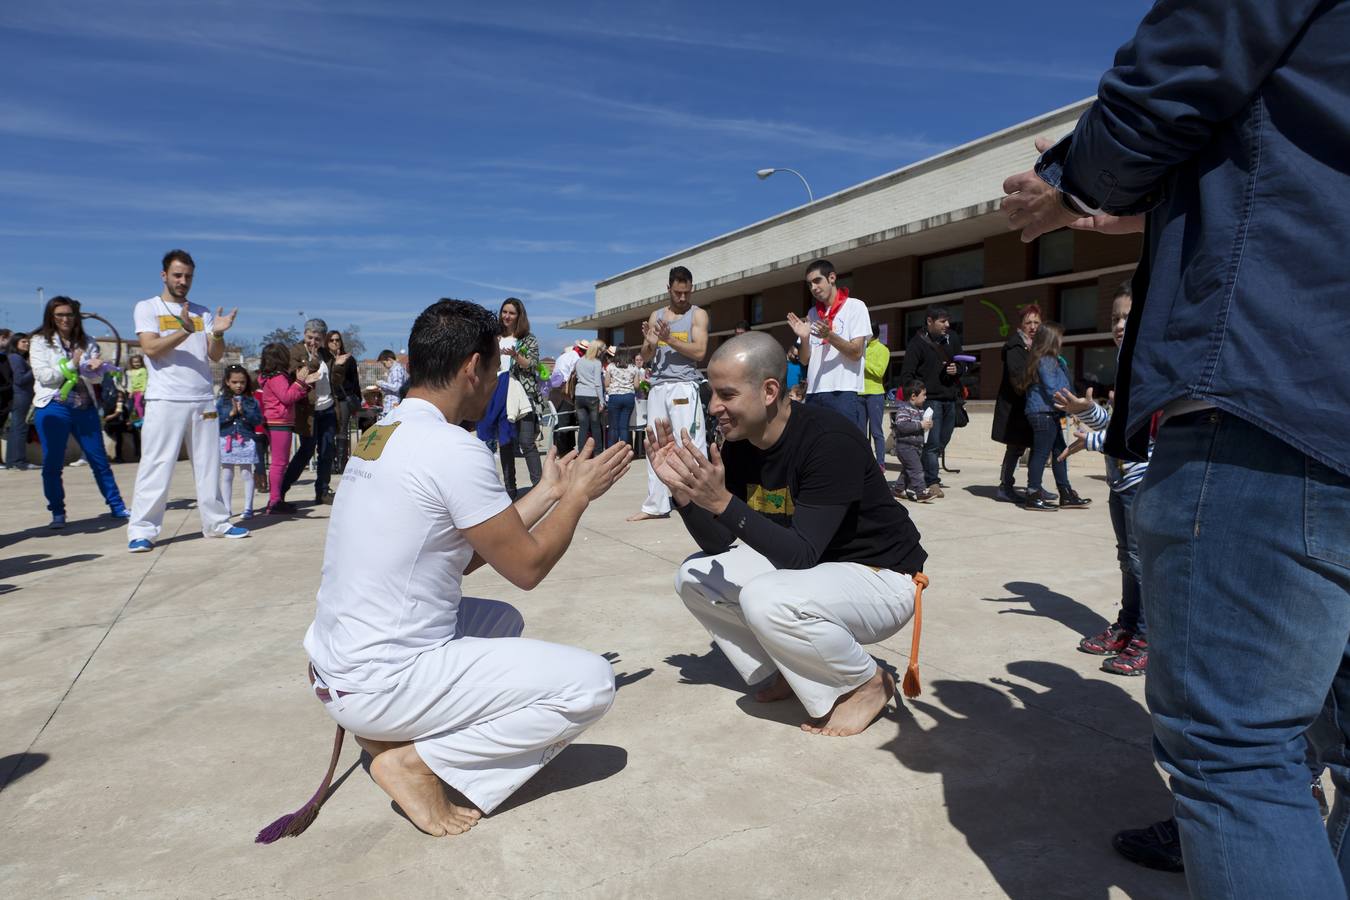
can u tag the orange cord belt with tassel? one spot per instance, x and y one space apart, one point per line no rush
911 685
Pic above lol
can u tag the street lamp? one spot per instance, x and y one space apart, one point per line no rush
765 173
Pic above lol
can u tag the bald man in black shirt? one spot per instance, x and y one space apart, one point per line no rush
806 555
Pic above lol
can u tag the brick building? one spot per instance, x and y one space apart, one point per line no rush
930 232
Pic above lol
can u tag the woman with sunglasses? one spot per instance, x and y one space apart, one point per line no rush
65 364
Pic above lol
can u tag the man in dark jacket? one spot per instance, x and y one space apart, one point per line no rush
1010 408
929 359
1224 133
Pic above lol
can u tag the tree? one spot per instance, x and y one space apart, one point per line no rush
288 336
351 340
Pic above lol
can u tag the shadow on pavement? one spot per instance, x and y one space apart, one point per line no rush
1038 797
18 566
710 668
577 766
985 492
1048 604
17 765
623 679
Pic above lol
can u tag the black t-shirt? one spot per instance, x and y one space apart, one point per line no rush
820 481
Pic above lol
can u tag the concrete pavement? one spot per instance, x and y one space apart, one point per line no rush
154 715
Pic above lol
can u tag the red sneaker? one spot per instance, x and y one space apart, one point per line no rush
1110 642
1133 660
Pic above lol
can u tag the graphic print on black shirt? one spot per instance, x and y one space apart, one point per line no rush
820 483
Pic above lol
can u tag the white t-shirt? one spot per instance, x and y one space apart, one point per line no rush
506 343
323 389
184 373
828 369
564 364
395 558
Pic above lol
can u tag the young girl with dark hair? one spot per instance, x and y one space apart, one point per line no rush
238 414
281 391
1046 373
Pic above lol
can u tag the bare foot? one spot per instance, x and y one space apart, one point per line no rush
419 793
643 516
857 709
778 689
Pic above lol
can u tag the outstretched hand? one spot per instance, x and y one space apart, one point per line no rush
223 322
1079 443
1071 403
591 476
689 475
661 449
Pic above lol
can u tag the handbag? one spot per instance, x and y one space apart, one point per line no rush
570 387
962 417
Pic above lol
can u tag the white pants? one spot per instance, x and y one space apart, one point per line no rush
489 709
808 624
679 403
227 485
167 422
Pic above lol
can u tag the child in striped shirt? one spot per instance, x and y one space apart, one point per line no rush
1124 642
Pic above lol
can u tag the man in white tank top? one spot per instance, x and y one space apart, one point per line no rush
675 339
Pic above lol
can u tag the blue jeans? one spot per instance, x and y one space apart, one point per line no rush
1047 444
621 408
588 423
1246 563
1121 506
56 422
16 447
939 436
323 438
847 403
874 405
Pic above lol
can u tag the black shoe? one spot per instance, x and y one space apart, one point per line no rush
1156 847
1069 499
1009 495
1040 504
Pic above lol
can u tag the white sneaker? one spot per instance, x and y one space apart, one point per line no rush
79 462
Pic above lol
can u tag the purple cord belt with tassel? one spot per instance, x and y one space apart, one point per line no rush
295 823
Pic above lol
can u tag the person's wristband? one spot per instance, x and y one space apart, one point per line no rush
217 336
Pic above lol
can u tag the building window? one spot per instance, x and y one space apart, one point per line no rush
1054 252
953 272
756 305
1078 309
916 319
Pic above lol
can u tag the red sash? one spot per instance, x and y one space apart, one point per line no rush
840 295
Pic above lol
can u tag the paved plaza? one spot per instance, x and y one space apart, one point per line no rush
154 715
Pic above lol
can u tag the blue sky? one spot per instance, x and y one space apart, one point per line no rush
357 159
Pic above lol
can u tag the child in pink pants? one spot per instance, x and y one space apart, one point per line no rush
281 391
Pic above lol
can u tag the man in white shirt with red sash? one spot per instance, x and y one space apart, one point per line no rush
834 338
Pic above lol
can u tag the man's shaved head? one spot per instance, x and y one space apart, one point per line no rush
761 356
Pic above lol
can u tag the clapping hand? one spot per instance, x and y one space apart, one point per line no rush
1069 402
800 327
591 476
691 477
222 322
661 448
1079 443
662 330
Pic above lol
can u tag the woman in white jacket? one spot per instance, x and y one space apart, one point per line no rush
64 363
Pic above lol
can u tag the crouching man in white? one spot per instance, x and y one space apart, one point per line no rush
441 688
807 556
